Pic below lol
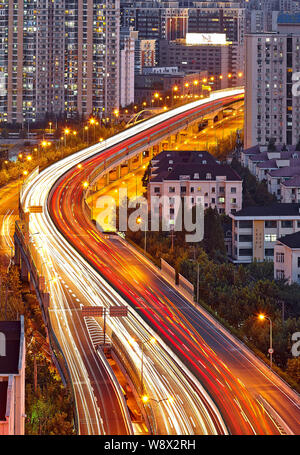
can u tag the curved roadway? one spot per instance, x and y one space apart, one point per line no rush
250 398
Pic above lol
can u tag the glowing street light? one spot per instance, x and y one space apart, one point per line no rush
92 121
85 184
139 221
151 340
262 317
66 132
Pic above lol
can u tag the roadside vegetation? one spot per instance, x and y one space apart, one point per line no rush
48 403
48 152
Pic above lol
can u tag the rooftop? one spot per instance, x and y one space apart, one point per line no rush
287 171
276 209
291 240
293 182
189 165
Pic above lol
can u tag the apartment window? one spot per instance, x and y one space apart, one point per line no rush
299 262
171 189
269 252
233 189
270 237
233 201
245 224
245 238
271 224
221 200
192 189
183 189
156 189
280 257
280 274
286 224
245 252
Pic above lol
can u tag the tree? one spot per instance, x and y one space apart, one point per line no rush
59 424
213 233
293 368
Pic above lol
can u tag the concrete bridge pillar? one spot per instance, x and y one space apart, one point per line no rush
220 115
140 159
17 257
41 283
24 270
106 179
31 285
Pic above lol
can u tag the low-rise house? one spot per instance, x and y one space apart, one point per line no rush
197 175
290 190
287 258
278 176
255 230
12 377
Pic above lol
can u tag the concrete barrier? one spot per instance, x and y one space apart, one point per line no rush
186 287
167 271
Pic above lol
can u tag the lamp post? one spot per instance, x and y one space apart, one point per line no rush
261 317
92 121
139 221
66 132
152 340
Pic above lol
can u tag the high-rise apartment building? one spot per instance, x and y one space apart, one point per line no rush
92 44
271 110
127 67
58 57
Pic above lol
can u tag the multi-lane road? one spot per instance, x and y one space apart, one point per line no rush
193 351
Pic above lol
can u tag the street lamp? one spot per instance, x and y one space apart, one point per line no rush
66 132
93 122
86 128
139 221
262 317
151 340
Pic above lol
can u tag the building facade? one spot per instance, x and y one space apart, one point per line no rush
12 377
196 176
58 57
255 230
287 258
271 110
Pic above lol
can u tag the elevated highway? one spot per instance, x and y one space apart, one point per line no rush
70 282
217 384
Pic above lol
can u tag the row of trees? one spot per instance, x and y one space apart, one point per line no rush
43 156
48 403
